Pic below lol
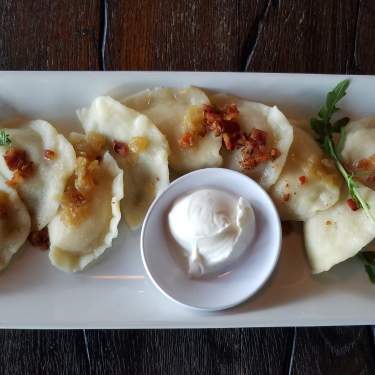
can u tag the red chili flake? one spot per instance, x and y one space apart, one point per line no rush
186 141
120 148
352 204
49 154
40 239
302 180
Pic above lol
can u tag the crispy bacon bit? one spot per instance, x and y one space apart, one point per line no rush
186 141
258 136
286 197
40 239
366 164
15 158
17 161
221 122
75 202
302 180
352 204
74 207
49 154
253 146
231 112
120 148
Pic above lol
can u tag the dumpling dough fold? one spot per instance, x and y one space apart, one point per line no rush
41 191
168 109
269 119
308 182
73 247
14 223
146 170
339 233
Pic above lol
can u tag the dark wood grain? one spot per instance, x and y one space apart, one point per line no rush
185 352
42 352
315 36
334 351
48 34
180 35
261 35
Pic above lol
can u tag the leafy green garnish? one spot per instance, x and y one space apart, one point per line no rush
368 260
4 138
325 130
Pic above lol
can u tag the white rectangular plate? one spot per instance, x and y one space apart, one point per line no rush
115 292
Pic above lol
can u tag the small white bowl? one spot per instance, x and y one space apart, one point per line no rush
241 280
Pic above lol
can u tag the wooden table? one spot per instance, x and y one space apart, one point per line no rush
319 36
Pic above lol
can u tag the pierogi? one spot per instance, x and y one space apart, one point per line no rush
339 233
14 223
88 219
268 119
139 148
359 150
37 163
308 182
174 111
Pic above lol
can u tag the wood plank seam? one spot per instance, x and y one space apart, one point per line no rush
103 33
87 348
253 39
292 351
355 38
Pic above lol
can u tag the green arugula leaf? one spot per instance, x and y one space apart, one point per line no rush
341 142
324 130
368 260
4 138
333 97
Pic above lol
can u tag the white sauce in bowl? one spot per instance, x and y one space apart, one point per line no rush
213 228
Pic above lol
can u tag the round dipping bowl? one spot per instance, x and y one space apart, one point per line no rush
164 260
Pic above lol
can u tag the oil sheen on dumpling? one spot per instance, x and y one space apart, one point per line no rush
14 223
308 182
269 119
40 191
339 233
79 237
141 151
359 150
171 111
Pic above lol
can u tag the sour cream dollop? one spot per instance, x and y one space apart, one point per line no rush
213 228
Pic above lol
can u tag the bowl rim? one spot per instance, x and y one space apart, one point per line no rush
273 211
